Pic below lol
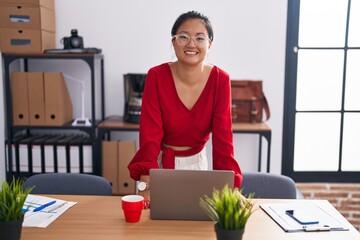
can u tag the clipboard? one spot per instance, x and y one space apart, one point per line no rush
326 222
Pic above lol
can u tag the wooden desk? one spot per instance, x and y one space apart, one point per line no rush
117 124
263 131
101 217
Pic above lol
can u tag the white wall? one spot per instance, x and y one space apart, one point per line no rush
249 43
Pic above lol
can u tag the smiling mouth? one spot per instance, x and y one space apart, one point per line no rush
191 52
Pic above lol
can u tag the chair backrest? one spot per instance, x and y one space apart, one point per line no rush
268 185
69 183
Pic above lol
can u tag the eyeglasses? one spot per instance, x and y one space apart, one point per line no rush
184 39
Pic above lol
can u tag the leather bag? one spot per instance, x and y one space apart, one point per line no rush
248 101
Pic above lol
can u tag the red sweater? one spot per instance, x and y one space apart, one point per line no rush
165 119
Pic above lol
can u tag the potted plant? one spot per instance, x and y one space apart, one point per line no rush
230 211
12 198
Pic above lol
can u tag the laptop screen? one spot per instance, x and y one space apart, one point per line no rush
175 194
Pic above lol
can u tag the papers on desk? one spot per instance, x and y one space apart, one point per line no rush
326 222
46 210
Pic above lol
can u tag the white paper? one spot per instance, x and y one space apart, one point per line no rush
43 218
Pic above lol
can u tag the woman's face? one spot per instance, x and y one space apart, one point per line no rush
196 50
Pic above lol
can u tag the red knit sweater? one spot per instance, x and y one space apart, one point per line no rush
165 119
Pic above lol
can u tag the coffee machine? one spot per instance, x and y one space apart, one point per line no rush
133 86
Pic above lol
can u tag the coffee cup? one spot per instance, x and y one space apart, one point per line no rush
132 206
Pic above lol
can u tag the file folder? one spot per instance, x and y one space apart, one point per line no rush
116 155
20 99
58 106
63 154
50 153
36 98
87 156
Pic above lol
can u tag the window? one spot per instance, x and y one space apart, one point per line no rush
321 140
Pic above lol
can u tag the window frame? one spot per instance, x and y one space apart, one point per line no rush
290 106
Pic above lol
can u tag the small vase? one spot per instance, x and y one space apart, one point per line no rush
11 230
222 234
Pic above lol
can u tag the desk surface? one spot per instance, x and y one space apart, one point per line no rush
99 217
118 123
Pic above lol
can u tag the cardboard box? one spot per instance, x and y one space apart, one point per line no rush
43 3
110 163
26 17
25 40
126 152
116 155
20 99
36 94
58 106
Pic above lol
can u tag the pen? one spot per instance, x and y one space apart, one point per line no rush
50 209
44 206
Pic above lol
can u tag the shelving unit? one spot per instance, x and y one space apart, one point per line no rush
96 66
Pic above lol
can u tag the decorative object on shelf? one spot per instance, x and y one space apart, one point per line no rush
73 44
82 121
74 41
230 211
248 101
12 198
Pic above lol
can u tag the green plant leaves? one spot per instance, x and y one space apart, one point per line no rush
228 207
12 199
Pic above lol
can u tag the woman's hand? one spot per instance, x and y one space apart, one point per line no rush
244 202
145 193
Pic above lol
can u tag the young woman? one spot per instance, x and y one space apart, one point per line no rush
183 102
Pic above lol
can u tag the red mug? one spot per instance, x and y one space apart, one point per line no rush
132 206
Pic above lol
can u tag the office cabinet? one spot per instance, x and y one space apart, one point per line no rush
92 87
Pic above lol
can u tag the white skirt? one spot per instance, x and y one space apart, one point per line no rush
194 162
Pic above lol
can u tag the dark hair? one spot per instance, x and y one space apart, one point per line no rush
193 15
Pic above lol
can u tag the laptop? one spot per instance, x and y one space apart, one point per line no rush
175 194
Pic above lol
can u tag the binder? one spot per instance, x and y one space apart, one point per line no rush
38 156
20 99
75 148
25 155
110 163
126 152
87 156
58 106
14 163
63 154
36 98
50 153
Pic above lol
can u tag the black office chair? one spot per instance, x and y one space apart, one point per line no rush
268 185
69 184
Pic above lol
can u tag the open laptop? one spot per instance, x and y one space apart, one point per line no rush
175 194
